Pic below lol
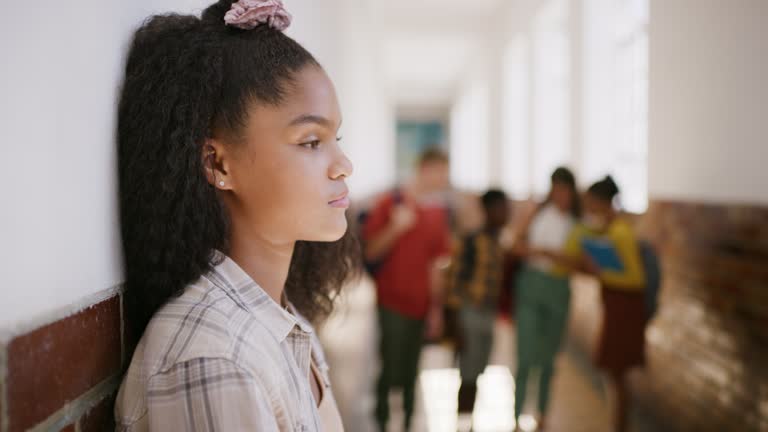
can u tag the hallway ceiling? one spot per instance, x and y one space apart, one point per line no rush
428 45
429 7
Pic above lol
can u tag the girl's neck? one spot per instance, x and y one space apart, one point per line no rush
609 219
562 211
265 261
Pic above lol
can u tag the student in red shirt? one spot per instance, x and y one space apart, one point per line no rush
407 235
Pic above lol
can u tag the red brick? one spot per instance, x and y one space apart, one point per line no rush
100 417
59 362
707 357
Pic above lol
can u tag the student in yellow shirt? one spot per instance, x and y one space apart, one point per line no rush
622 337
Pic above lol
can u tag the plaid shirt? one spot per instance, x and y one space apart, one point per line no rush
476 271
222 357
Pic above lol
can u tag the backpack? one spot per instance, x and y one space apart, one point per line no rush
373 266
652 269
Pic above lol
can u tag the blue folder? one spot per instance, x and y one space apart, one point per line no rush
603 252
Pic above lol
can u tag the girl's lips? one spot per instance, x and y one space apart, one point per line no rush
342 202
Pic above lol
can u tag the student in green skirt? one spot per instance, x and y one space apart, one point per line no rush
542 289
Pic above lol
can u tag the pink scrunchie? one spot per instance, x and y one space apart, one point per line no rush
247 14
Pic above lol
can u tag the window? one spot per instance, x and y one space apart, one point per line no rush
616 118
515 154
630 157
551 84
469 139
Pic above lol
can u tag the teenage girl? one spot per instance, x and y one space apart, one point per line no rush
232 202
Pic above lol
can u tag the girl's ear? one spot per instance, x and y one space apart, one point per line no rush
216 165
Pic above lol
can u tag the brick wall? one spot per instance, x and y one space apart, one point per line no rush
64 375
708 346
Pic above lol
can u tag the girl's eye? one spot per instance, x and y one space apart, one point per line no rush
314 144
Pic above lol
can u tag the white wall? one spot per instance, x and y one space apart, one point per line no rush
515 154
62 64
708 100
369 112
552 140
469 137
534 130
344 36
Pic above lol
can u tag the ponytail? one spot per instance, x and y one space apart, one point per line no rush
605 189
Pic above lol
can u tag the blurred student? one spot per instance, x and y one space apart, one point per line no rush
406 234
616 261
542 289
474 284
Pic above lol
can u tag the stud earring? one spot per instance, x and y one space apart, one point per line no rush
221 183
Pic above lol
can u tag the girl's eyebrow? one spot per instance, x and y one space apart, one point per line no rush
312 119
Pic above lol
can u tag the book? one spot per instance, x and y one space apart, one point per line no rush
603 252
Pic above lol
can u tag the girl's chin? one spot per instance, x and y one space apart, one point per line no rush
329 234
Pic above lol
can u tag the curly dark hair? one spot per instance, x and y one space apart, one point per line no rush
492 197
605 189
185 77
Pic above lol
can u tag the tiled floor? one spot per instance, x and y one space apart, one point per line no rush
350 341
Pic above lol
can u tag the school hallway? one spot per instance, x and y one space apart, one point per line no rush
667 97
578 403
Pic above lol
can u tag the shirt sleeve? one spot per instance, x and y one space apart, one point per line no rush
442 243
378 218
208 394
631 277
572 246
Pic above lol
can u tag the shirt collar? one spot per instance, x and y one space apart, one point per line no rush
230 277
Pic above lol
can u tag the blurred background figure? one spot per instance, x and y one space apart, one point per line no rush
617 263
406 235
474 285
542 288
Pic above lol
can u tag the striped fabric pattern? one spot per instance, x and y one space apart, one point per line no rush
223 356
476 271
